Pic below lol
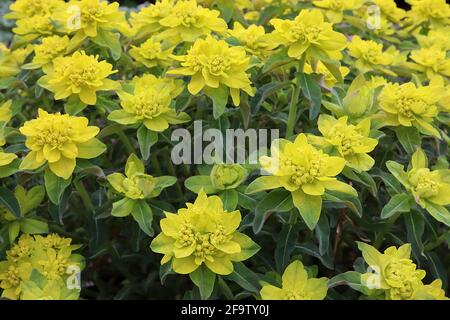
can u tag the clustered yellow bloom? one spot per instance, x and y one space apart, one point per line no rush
429 188
45 53
150 103
5 116
95 16
406 105
78 76
187 21
349 141
37 256
309 34
370 56
12 60
59 140
296 285
303 170
436 13
203 233
152 53
431 61
147 21
397 276
335 8
213 63
254 39
390 10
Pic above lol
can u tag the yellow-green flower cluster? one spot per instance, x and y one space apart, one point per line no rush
41 268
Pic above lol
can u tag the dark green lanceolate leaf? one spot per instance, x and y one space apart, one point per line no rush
286 241
142 214
9 201
219 97
204 279
246 201
311 91
392 184
55 186
245 278
352 203
276 60
398 203
229 198
74 106
349 278
437 268
164 271
13 230
322 232
33 226
146 140
264 92
415 226
226 9
409 138
279 200
363 178
312 250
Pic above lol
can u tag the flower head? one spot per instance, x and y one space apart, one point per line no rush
38 259
59 140
370 55
95 16
395 273
147 21
335 8
213 63
150 103
296 285
152 53
11 60
254 39
79 76
408 106
34 27
25 9
309 34
432 61
429 188
390 10
303 170
203 233
435 13
327 77
51 48
227 176
187 21
351 142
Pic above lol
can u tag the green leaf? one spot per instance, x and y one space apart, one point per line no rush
143 215
334 69
409 138
362 177
229 198
74 106
398 203
311 91
246 201
349 278
204 279
219 96
123 208
351 202
165 270
146 140
9 201
226 9
33 226
308 206
313 250
265 91
322 232
110 40
438 212
276 60
55 186
245 278
13 230
392 184
195 183
415 227
10 169
28 200
286 241
278 200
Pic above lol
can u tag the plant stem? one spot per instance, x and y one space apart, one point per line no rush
79 186
293 106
